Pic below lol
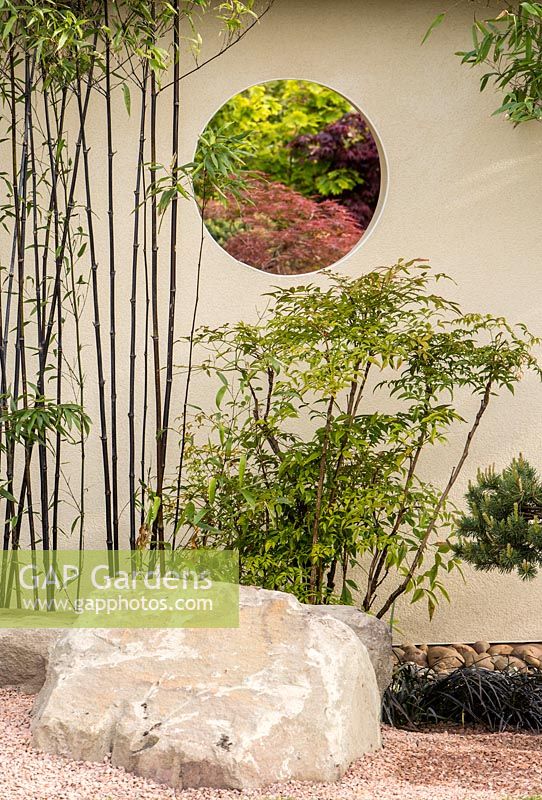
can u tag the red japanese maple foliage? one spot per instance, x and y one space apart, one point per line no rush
278 230
347 143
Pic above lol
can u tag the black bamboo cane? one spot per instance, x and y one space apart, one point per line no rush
133 308
97 323
112 282
173 238
190 365
158 523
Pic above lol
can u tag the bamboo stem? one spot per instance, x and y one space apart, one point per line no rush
16 176
112 281
145 409
158 524
81 399
173 240
189 368
52 220
97 326
133 310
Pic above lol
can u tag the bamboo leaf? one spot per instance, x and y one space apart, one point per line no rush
212 489
220 395
127 98
9 26
439 19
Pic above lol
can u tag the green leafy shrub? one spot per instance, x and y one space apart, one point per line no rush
309 463
510 46
503 529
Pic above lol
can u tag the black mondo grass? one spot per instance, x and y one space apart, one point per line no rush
402 703
498 701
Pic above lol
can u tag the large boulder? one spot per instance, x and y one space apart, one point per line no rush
288 695
24 653
373 633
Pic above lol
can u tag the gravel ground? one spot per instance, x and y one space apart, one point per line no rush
412 766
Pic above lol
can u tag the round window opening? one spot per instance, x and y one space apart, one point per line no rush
292 176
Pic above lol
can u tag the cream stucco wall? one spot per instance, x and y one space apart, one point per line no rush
464 190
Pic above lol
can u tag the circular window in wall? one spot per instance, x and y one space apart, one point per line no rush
293 176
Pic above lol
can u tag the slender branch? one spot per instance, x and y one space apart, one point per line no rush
484 402
224 49
374 580
315 569
270 438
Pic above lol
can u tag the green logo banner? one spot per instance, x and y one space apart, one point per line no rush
119 589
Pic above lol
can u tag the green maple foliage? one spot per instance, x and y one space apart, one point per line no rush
309 464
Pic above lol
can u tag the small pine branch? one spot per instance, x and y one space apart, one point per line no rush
503 529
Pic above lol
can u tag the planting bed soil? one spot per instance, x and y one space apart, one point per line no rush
437 765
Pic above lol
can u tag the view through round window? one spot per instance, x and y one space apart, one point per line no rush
293 176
